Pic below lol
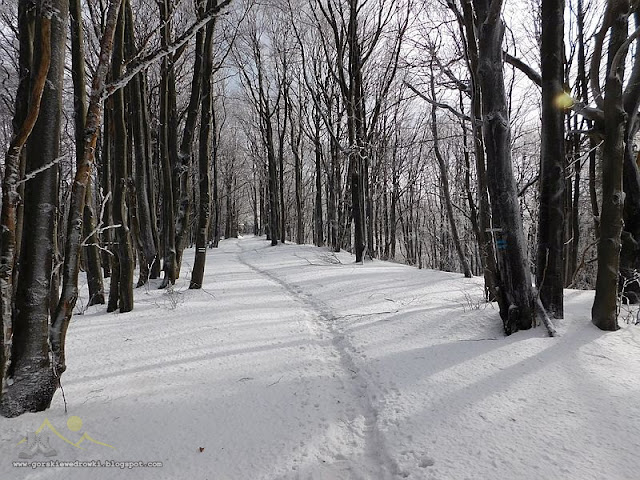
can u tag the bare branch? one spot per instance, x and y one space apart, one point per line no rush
437 104
524 68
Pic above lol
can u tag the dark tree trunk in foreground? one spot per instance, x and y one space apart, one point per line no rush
515 296
296 143
549 259
354 101
215 223
26 114
605 306
154 270
207 124
630 253
34 380
274 214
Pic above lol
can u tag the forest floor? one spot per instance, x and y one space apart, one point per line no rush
292 362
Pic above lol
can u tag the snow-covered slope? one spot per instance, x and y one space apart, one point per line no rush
294 363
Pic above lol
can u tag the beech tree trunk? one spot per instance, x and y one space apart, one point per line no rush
91 250
121 164
182 168
33 380
630 253
138 121
486 245
549 259
317 216
515 295
207 125
168 218
26 115
444 182
604 312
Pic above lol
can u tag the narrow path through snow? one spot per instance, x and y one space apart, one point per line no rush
365 423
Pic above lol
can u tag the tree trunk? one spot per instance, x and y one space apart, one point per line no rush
605 306
487 250
207 124
630 254
60 322
92 253
121 163
182 168
107 191
26 115
444 182
169 261
138 121
34 380
296 141
515 296
549 259
281 137
319 234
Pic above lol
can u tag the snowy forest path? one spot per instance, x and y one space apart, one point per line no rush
323 321
294 363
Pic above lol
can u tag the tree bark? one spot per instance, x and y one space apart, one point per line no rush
138 116
486 246
444 182
515 296
34 381
549 259
169 261
604 312
207 124
319 240
92 255
26 115
121 163
182 168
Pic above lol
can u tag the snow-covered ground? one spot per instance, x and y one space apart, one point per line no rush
294 363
